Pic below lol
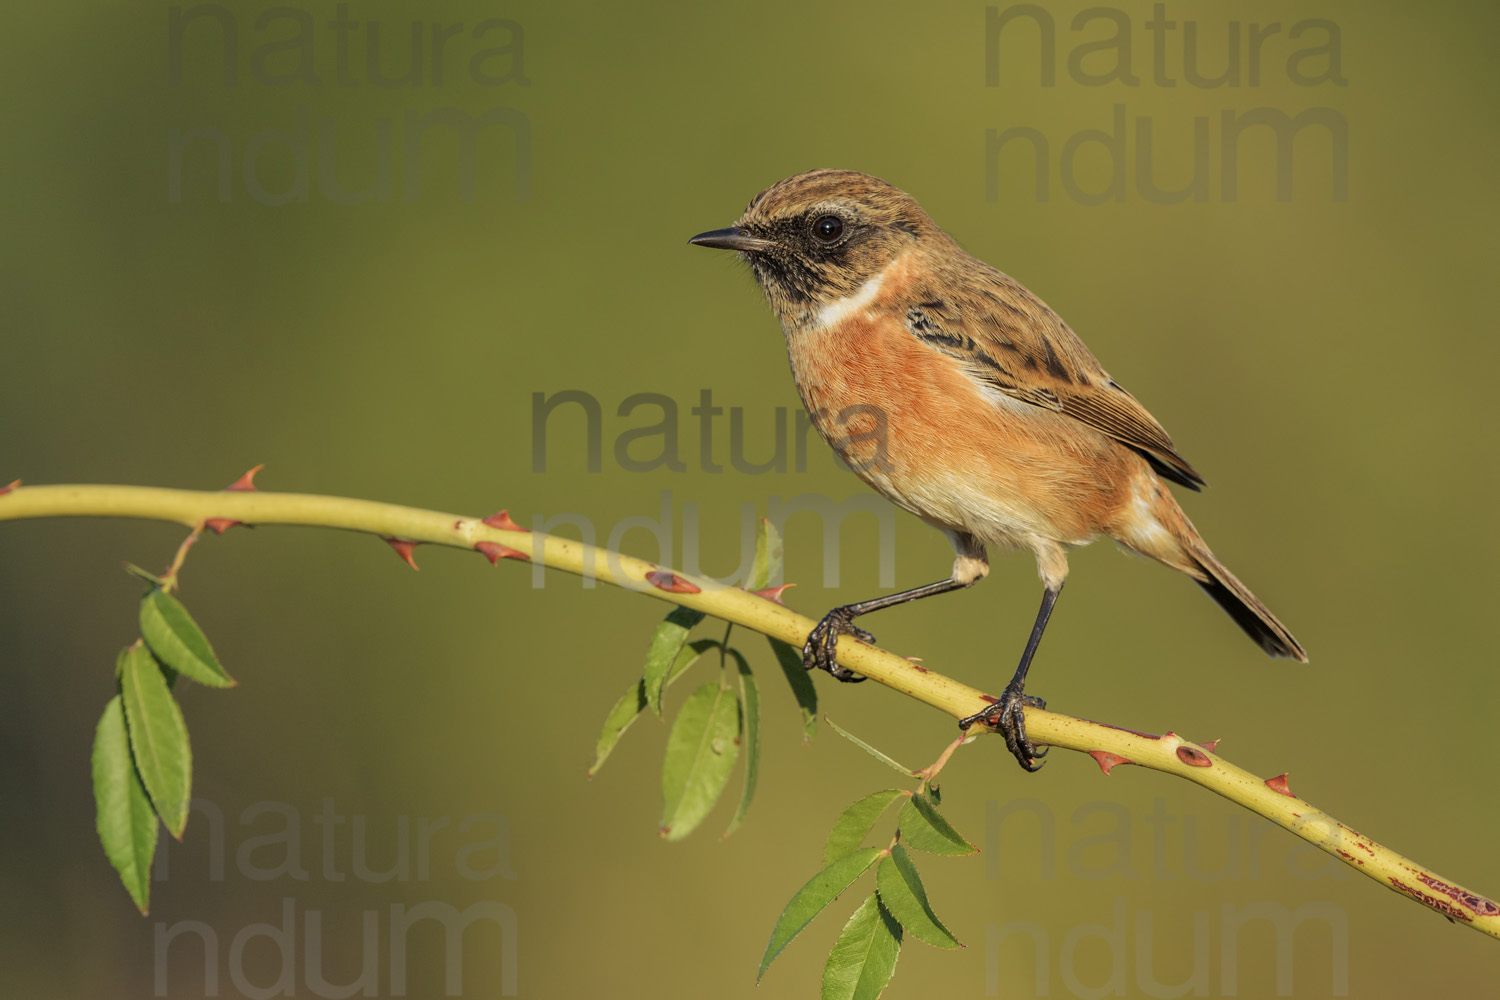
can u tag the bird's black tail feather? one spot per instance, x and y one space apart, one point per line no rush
1246 609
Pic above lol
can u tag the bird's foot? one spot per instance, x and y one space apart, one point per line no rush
818 653
1009 716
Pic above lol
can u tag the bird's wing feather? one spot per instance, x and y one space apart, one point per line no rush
1008 339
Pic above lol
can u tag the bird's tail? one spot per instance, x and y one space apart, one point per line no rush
1155 526
1245 608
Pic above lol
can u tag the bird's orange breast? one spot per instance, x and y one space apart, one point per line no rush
935 440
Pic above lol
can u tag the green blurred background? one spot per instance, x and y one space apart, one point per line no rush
1326 362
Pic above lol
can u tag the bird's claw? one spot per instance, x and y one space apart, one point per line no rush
820 650
1009 716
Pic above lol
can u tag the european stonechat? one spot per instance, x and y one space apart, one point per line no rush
955 392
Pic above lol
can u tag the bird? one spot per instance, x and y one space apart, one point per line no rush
952 390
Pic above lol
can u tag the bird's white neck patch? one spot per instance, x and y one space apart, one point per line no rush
839 310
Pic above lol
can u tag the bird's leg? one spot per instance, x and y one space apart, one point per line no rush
823 640
1008 714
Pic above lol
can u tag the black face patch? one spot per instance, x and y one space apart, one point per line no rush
826 247
787 275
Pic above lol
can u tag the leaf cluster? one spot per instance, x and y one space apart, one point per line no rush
142 761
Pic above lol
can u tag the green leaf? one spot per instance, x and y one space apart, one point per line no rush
125 820
802 685
851 828
901 891
158 737
749 735
143 574
178 642
767 565
700 757
864 957
871 750
666 643
633 702
812 897
924 829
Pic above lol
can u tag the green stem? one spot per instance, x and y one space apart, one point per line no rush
1108 745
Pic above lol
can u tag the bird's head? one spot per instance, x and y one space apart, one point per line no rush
818 237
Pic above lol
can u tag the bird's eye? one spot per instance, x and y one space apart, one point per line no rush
828 228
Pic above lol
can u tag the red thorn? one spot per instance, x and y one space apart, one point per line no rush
1107 760
1278 784
219 525
502 520
494 552
671 583
6 489
1209 746
403 549
1193 756
773 594
246 483
920 669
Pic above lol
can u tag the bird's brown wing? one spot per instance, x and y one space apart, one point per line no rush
1008 338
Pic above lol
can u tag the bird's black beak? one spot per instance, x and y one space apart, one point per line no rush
732 238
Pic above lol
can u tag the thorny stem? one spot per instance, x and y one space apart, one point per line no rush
1108 745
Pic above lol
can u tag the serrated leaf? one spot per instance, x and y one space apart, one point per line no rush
158 737
666 642
864 957
801 683
178 642
749 736
901 891
767 566
809 901
856 822
888 762
124 817
633 702
923 828
700 758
